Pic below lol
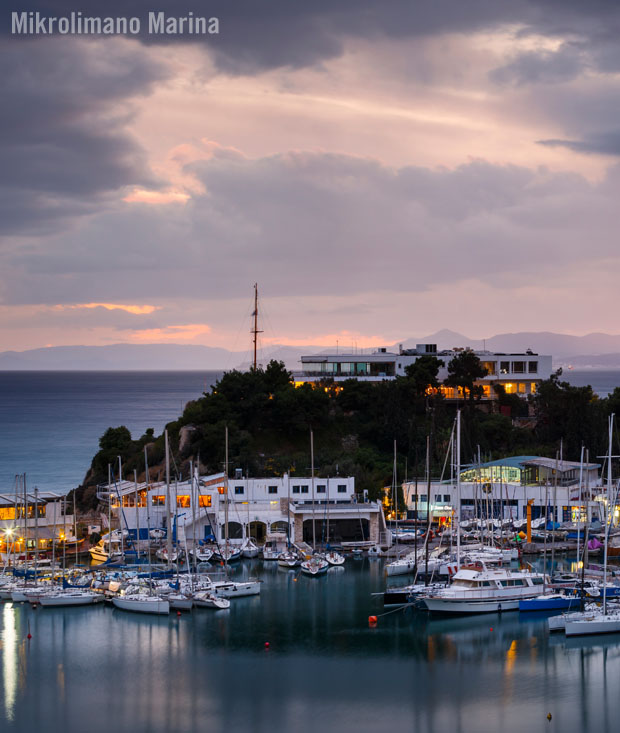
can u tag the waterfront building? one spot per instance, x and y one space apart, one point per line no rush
518 373
44 520
257 507
502 489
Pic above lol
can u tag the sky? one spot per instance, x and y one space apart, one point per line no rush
381 170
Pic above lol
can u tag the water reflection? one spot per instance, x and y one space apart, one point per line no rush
9 659
100 670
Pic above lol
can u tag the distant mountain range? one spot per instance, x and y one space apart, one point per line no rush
595 350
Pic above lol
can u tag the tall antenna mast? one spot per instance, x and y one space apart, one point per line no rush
255 330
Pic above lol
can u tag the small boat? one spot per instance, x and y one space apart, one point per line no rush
206 599
227 554
314 566
334 558
162 554
142 603
289 559
550 602
596 622
69 597
249 549
236 589
202 554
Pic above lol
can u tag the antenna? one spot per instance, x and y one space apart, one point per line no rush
255 330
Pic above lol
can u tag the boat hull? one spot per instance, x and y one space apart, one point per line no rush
151 605
593 625
453 606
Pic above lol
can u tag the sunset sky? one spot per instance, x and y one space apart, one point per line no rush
381 169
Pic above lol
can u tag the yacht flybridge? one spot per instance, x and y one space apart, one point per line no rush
476 589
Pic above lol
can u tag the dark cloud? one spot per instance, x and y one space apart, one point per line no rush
64 146
257 35
607 143
317 224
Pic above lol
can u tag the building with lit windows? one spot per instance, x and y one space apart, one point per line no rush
502 489
518 373
257 508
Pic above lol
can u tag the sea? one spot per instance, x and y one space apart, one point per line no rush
301 657
51 422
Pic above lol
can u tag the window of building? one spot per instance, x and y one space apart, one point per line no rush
438 498
342 488
183 501
346 367
486 390
238 490
504 367
321 488
510 387
521 387
532 367
423 498
518 367
296 489
158 500
7 512
273 489
533 387
204 501
304 489
446 498
490 366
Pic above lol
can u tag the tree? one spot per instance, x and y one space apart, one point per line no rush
423 373
463 371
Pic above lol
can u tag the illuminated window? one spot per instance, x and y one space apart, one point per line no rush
7 512
158 500
204 501
490 366
533 387
510 388
486 390
183 501
521 387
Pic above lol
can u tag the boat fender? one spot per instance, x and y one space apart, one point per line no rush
372 621
499 608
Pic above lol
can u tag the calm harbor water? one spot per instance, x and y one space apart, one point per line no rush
102 670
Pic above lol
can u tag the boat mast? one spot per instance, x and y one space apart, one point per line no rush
109 512
148 512
135 483
36 532
312 472
255 331
579 499
168 515
226 505
120 507
607 524
458 490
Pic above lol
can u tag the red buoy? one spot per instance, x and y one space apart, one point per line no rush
372 620
178 613
29 636
266 645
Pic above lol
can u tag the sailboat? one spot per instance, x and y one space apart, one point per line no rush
600 620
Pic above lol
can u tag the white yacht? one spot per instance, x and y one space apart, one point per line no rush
480 590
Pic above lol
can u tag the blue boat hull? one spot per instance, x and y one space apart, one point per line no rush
549 604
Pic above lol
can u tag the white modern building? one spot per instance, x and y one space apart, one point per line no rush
323 509
33 520
502 489
518 373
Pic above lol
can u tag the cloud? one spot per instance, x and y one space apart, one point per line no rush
607 143
171 334
311 224
137 310
65 147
